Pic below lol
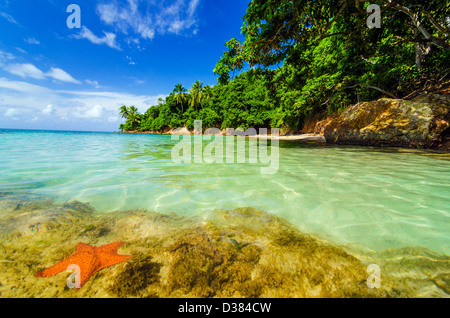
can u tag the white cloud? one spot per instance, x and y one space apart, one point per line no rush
66 105
32 40
126 18
21 87
25 70
21 50
6 56
89 112
48 110
9 18
193 5
11 112
32 120
130 60
93 83
61 75
145 18
134 80
178 17
29 70
109 39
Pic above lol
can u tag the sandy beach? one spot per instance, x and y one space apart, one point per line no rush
304 137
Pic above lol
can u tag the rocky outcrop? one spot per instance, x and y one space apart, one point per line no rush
423 122
180 131
310 126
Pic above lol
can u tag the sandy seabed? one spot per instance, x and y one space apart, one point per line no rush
227 253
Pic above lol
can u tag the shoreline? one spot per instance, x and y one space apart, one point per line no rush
304 137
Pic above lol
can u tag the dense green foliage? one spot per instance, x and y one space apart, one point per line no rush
304 57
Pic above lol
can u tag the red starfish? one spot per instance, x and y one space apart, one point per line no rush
90 259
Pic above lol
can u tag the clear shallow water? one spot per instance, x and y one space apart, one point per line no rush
371 197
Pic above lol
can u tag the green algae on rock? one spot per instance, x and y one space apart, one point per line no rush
139 274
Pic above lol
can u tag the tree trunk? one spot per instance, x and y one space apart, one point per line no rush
419 56
422 50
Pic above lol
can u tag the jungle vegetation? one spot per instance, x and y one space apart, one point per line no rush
305 57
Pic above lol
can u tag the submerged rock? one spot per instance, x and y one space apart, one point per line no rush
423 122
226 253
26 217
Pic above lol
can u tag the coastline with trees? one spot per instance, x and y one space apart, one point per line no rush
303 63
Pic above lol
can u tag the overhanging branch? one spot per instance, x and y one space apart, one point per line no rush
375 88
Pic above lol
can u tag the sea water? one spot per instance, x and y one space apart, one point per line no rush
376 198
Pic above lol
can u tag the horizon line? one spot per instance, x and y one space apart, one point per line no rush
58 130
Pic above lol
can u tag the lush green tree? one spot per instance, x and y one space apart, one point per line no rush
207 92
197 91
180 95
123 111
133 119
231 61
273 28
307 58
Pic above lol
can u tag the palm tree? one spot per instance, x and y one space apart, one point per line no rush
135 120
134 117
207 92
197 94
180 95
124 111
132 111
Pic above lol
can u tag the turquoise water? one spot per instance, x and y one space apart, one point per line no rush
370 197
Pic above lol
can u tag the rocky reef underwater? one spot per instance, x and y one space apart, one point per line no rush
226 253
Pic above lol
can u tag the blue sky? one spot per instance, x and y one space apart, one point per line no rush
126 52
